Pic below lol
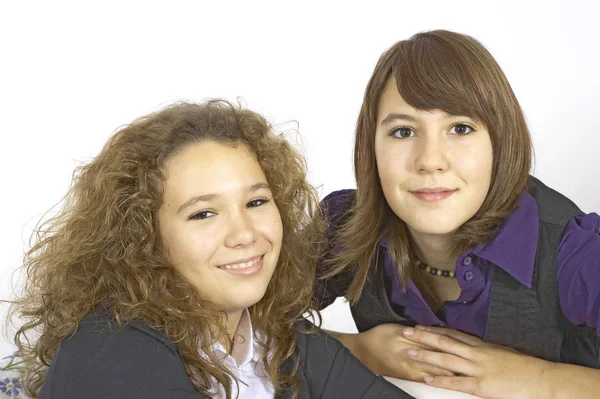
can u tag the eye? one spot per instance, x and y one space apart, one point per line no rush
402 132
256 202
201 215
461 129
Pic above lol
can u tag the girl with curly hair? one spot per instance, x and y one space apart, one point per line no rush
448 232
180 266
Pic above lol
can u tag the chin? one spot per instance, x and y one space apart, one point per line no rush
248 299
434 227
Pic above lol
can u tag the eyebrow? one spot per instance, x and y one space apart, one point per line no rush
392 117
209 197
395 116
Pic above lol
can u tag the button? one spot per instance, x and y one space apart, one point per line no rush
467 260
469 276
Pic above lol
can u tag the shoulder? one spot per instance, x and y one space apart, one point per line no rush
103 359
579 250
578 263
99 330
337 203
553 207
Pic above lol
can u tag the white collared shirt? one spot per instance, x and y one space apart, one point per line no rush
245 364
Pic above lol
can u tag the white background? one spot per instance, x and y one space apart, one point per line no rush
71 73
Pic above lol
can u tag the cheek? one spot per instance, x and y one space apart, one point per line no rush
277 231
475 161
391 165
272 227
190 248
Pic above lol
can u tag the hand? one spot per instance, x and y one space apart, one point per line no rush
482 369
383 349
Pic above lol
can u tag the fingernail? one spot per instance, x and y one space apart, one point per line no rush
429 379
420 328
412 352
409 332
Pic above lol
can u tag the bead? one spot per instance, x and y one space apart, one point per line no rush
435 271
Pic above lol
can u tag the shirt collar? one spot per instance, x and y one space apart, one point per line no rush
514 246
245 347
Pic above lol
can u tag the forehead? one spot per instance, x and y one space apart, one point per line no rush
392 102
391 99
211 167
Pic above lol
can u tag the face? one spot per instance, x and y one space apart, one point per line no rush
435 169
219 223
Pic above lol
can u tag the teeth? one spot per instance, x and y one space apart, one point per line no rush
244 265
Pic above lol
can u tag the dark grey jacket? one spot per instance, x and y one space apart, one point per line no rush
101 361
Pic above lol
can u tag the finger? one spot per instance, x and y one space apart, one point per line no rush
458 335
403 343
463 384
424 369
440 342
446 361
403 339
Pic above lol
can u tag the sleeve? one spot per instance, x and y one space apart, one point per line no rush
335 211
578 271
99 362
329 370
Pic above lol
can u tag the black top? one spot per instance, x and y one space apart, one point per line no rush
101 360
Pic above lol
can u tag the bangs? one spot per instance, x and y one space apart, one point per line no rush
432 73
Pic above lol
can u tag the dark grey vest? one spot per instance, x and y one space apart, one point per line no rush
528 319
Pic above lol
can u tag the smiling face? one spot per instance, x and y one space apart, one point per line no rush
219 223
435 169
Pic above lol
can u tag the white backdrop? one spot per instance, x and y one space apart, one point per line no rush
71 73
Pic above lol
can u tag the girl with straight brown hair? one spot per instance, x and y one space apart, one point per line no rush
461 269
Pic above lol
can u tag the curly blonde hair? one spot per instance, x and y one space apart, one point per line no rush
103 248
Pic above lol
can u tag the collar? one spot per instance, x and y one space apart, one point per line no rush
514 246
245 347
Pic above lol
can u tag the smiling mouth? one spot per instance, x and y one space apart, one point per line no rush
433 194
242 265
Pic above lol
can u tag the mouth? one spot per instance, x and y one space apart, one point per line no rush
244 266
433 194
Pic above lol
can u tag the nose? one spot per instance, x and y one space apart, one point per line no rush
241 232
431 155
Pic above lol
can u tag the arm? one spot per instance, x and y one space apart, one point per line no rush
384 350
350 341
569 381
493 371
99 362
331 371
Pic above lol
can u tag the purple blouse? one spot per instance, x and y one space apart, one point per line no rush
513 249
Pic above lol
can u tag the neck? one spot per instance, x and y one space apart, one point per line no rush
232 321
434 250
